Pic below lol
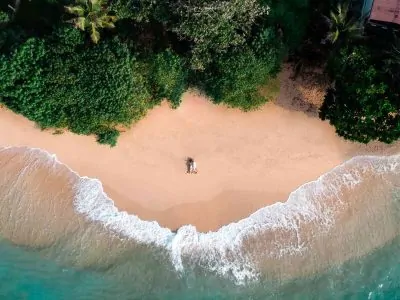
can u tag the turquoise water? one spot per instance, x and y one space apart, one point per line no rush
25 275
62 238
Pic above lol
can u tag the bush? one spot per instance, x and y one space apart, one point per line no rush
51 75
236 78
168 77
138 10
213 27
4 18
362 106
108 136
58 82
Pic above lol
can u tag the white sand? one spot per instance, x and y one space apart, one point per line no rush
245 160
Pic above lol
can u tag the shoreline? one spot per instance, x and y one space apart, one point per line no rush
335 206
246 161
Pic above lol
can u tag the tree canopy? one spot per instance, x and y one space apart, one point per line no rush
53 73
364 104
213 27
57 75
91 15
57 82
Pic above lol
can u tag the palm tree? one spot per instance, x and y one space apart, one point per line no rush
92 15
341 27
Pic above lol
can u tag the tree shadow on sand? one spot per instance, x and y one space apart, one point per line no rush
305 92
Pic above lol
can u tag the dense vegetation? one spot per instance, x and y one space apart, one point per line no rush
364 100
94 66
364 103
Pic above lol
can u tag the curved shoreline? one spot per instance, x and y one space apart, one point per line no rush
163 192
246 160
240 250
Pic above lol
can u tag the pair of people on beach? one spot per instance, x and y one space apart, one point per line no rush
192 166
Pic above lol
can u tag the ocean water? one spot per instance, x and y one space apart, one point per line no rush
62 238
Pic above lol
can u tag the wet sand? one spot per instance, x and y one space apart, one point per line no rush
245 160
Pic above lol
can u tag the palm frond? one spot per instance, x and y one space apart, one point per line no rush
95 35
333 36
341 26
75 10
106 21
96 5
80 23
105 24
334 17
91 14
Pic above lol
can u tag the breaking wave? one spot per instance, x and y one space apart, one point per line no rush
309 232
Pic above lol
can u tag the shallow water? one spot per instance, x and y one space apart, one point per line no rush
62 238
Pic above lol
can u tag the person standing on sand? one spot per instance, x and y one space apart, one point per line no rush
194 167
191 166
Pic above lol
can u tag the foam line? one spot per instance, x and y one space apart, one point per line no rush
221 251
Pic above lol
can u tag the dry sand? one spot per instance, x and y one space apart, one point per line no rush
245 160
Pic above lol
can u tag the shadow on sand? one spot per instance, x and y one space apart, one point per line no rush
305 93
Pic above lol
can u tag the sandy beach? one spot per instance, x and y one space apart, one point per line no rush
245 160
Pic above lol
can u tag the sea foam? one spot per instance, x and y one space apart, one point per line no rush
221 251
224 251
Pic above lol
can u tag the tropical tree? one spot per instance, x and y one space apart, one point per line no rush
213 26
341 26
167 77
362 106
57 83
236 78
91 15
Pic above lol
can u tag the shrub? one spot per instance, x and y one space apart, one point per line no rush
138 10
213 26
108 136
59 83
168 77
4 18
362 106
236 78
50 74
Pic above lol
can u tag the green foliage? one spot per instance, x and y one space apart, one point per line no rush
342 27
83 89
237 78
291 16
19 78
213 26
168 77
50 74
65 39
108 136
4 18
125 9
362 107
138 10
92 15
269 47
